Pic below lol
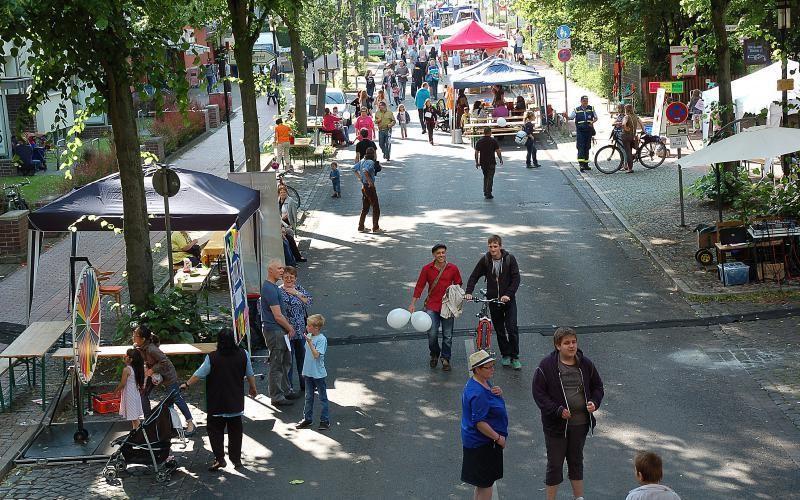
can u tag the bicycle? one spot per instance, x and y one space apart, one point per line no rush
289 189
483 333
651 153
13 196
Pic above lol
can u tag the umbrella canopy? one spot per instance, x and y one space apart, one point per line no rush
455 28
474 36
205 202
752 143
495 71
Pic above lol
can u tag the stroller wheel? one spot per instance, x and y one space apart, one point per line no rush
162 476
110 473
120 465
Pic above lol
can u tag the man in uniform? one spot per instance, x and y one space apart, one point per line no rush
584 117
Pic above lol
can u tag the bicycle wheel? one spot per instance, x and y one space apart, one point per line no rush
653 154
294 194
608 159
19 204
483 337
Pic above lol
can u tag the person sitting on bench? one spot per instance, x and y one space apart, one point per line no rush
23 156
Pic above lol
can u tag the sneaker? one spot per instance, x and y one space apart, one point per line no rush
217 465
489 197
445 365
515 364
293 395
536 165
303 424
324 426
434 361
378 230
528 165
282 402
363 230
506 361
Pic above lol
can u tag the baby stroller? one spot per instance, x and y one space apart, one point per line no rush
147 445
443 120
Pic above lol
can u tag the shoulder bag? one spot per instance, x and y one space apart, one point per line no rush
435 282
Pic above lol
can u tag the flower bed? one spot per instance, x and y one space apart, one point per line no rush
178 128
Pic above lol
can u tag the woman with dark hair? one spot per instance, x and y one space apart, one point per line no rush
430 114
223 371
364 170
331 124
461 103
159 370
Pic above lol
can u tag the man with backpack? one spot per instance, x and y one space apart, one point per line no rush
502 281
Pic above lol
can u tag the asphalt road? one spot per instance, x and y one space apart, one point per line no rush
396 431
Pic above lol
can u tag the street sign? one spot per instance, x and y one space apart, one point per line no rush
756 52
677 112
564 55
787 84
166 182
563 32
669 87
564 43
658 113
681 142
677 131
682 60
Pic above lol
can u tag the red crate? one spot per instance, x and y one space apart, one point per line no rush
106 403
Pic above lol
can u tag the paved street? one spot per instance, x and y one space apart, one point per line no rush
696 395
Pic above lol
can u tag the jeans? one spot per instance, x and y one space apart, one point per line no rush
337 186
385 142
434 85
280 359
299 354
182 406
369 199
569 447
530 145
402 85
488 179
447 335
215 427
504 321
322 389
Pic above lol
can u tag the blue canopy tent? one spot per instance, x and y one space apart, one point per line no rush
497 71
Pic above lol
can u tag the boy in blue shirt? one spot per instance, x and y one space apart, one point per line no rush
336 180
314 373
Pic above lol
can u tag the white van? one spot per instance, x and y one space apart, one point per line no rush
375 45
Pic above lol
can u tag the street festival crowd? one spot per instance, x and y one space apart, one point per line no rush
566 385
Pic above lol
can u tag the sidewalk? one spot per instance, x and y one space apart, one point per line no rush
647 203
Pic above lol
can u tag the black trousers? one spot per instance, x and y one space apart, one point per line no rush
530 145
216 436
569 447
504 320
298 350
488 179
583 142
421 113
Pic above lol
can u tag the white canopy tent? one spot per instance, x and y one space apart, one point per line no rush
754 92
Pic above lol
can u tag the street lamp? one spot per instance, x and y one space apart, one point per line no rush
273 26
221 59
784 23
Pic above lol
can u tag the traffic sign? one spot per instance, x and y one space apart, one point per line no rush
677 131
681 142
670 87
563 32
677 112
564 43
564 55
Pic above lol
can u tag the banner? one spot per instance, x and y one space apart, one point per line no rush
239 310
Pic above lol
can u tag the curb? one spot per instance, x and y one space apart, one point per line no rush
7 459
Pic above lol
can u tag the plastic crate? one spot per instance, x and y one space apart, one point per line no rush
648 129
105 403
734 273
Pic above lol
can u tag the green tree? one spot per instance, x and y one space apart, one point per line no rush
322 37
106 48
290 12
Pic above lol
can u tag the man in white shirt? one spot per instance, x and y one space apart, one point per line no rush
455 61
519 41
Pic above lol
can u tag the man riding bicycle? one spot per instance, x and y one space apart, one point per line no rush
502 281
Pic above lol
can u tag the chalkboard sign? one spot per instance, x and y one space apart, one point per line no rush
756 52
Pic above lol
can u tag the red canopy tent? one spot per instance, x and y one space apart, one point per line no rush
473 36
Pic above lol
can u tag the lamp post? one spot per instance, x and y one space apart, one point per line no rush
226 89
273 26
784 23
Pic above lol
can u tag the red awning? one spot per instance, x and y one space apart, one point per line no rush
473 36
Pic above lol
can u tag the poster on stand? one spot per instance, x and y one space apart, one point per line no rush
239 310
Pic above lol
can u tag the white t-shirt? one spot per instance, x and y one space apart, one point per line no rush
652 492
519 40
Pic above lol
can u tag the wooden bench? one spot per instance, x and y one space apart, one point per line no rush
32 343
319 154
118 351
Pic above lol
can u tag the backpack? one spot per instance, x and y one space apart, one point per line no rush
377 166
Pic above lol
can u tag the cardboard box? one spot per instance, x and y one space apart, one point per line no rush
771 271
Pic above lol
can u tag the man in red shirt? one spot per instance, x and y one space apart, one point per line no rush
437 276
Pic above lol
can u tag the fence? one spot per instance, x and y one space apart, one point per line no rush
689 83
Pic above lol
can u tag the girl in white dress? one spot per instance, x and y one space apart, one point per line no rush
130 405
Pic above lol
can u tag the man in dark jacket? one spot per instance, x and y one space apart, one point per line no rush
568 390
502 281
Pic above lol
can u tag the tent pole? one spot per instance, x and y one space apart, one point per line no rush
719 192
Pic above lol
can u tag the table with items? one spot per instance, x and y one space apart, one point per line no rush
767 250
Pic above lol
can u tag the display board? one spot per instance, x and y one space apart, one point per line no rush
86 324
239 310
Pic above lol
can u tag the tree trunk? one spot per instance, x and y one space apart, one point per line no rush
353 29
139 260
247 89
723 55
365 29
300 111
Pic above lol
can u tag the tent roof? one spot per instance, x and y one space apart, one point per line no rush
752 143
204 202
495 71
757 90
473 36
456 27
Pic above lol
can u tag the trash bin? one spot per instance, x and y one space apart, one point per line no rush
457 139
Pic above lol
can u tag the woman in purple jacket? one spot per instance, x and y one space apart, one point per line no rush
568 390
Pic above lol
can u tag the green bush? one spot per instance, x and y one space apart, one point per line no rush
705 187
173 316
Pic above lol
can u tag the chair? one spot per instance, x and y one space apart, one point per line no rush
113 291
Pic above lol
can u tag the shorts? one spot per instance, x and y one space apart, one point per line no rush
482 466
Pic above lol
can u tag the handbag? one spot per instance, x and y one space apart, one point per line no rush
435 282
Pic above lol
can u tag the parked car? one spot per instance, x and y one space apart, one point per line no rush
335 97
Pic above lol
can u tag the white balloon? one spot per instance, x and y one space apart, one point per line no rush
501 122
398 318
421 321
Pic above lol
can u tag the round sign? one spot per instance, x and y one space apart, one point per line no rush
564 55
166 182
86 324
676 112
563 32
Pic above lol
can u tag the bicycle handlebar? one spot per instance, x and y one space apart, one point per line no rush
488 301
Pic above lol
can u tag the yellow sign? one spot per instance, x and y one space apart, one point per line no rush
787 84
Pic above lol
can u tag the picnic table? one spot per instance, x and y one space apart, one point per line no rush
32 343
193 281
214 249
118 351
